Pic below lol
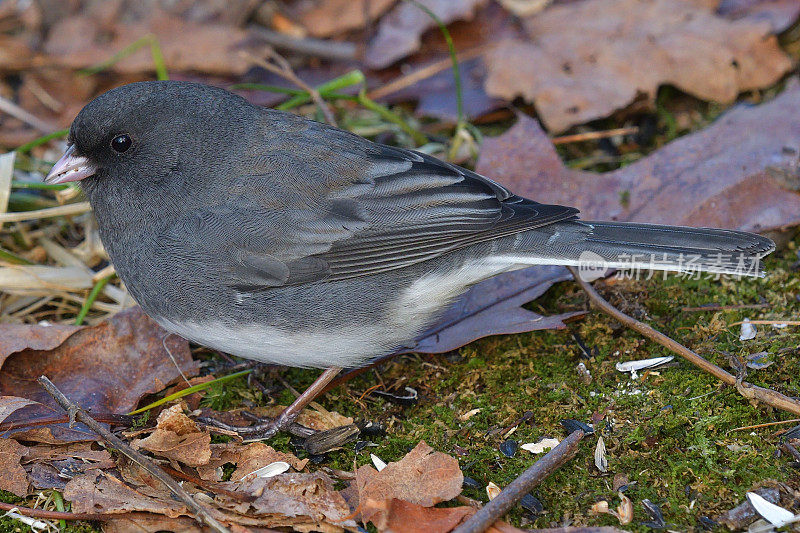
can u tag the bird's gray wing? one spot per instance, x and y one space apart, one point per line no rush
347 208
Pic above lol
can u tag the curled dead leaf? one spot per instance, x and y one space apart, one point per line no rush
12 476
423 477
177 437
400 30
588 59
713 178
106 368
247 458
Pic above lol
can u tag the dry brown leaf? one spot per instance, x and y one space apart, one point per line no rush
15 53
589 59
292 499
316 419
324 18
100 492
18 337
398 515
247 458
12 476
716 177
105 368
177 437
186 46
403 517
150 523
400 31
9 404
424 477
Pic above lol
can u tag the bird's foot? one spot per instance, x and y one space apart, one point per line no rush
264 427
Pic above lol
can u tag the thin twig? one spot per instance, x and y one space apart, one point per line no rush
725 307
62 210
318 48
792 450
748 390
282 68
76 413
594 135
107 418
530 478
424 73
10 108
53 515
766 425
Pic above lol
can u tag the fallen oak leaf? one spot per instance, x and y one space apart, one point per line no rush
83 451
423 476
139 522
13 477
186 46
400 31
247 458
291 499
97 491
107 368
586 60
9 404
715 177
313 417
332 17
402 516
178 438
19 337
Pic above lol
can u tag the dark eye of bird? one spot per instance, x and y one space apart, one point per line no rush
121 143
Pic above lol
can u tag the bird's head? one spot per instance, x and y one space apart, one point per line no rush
147 134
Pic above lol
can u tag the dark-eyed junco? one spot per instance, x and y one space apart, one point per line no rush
280 239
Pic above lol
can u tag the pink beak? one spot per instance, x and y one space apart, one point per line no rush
71 167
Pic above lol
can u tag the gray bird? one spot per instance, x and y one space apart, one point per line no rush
280 239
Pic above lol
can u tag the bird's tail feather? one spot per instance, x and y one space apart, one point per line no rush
626 245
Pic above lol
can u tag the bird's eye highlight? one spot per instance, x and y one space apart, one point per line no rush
121 143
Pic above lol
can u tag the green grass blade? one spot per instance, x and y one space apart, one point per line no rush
155 52
452 49
385 113
158 59
354 77
34 185
58 500
14 259
191 390
91 298
267 88
27 147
